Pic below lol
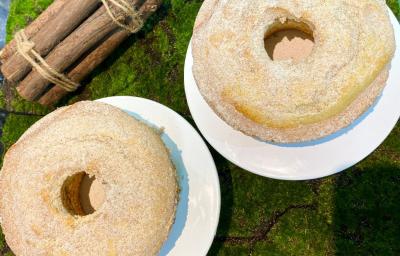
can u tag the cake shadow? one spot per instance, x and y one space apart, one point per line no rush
366 204
183 179
183 204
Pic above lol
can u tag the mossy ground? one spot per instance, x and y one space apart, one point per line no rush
352 213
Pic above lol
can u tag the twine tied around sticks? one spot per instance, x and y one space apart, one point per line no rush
25 49
136 22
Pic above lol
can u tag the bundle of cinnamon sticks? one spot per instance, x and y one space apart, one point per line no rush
53 54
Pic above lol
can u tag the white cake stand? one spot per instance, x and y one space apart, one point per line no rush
301 161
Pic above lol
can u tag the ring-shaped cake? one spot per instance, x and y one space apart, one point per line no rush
289 101
40 208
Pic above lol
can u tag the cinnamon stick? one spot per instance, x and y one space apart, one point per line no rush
70 15
85 37
97 56
85 67
30 30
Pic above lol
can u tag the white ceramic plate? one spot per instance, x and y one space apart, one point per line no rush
199 205
300 161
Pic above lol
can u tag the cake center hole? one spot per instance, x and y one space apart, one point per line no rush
82 194
289 39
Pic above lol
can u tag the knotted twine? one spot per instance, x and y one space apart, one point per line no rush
25 49
25 46
136 22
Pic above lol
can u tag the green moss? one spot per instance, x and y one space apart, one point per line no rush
22 12
263 197
366 217
18 104
392 143
2 241
350 213
299 232
2 100
14 127
395 6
